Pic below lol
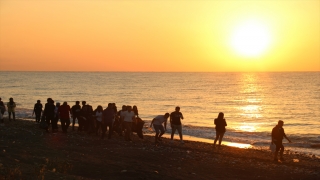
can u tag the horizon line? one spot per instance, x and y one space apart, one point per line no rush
167 71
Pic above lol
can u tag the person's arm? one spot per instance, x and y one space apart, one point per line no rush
151 122
182 116
285 136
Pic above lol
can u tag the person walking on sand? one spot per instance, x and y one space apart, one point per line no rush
11 109
64 112
157 125
48 112
277 135
37 109
221 124
75 112
175 122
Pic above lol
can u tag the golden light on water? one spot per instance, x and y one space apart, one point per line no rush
251 111
247 128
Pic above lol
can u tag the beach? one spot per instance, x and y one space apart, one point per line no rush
27 152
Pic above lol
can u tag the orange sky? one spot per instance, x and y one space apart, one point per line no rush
155 35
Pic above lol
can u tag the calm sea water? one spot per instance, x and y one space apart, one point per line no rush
252 102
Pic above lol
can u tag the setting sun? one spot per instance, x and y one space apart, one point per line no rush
250 38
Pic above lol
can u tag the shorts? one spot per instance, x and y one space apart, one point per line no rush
176 127
279 145
158 128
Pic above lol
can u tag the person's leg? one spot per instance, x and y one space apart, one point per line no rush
104 129
48 119
217 137
179 127
281 151
220 138
67 124
173 130
74 121
156 128
161 132
278 146
97 127
14 116
36 117
9 116
126 131
110 130
130 130
63 125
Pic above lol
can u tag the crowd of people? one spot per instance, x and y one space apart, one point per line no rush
98 121
124 121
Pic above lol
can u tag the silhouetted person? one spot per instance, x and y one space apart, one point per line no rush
221 124
11 109
87 113
175 122
37 110
75 111
107 120
158 127
98 118
277 135
49 108
119 125
56 118
64 111
128 118
2 110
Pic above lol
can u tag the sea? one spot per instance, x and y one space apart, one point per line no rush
252 103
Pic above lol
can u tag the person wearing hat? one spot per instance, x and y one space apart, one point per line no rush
37 110
11 109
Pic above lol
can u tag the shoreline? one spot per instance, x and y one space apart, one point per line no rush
27 152
310 152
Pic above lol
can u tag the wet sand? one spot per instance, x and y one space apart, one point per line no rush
27 152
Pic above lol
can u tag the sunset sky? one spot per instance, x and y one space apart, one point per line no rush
152 36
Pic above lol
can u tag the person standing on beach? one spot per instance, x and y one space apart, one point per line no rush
75 112
175 122
277 136
11 109
2 107
2 110
37 110
107 120
98 118
158 127
49 108
64 112
56 118
128 118
221 124
119 125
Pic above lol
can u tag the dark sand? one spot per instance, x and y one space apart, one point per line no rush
27 152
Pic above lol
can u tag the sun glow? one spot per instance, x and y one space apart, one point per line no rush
250 38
